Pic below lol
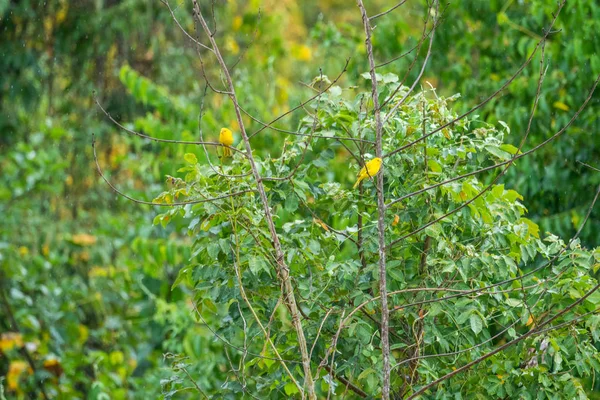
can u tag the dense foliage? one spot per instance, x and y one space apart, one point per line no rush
103 305
489 241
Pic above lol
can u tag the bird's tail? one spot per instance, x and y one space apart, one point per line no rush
226 152
357 183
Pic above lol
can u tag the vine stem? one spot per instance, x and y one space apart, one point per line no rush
385 315
283 271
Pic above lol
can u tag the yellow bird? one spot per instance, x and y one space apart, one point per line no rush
226 138
369 170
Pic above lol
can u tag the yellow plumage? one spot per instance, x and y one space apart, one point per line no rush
226 138
369 170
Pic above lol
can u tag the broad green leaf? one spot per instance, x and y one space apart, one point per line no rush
476 323
190 158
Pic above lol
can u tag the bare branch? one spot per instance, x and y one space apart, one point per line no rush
418 45
391 112
493 95
385 334
504 346
268 125
283 270
532 272
173 141
507 165
254 36
589 166
414 61
198 389
198 43
346 382
381 14
151 203
265 125
204 147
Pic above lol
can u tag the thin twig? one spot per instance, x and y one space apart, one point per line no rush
152 203
381 14
302 104
519 156
493 95
385 335
504 346
283 270
490 186
198 43
172 141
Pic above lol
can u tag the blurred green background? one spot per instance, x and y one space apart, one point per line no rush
86 277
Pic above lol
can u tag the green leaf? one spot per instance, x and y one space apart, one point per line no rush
496 151
509 148
257 264
389 78
190 158
213 249
532 228
476 323
291 203
290 388
434 166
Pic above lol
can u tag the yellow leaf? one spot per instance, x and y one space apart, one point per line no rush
83 239
116 357
15 369
132 362
96 272
434 166
396 220
237 22
205 225
84 256
561 106
232 45
321 224
305 53
53 366
10 340
530 320
532 228
84 333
